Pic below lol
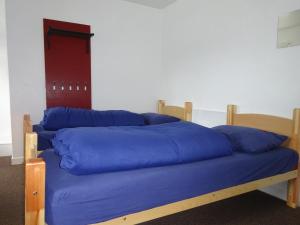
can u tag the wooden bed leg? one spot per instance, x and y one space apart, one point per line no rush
34 183
293 185
293 193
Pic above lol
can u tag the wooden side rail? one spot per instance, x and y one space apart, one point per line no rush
35 169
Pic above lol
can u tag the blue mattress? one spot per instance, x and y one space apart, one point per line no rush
81 200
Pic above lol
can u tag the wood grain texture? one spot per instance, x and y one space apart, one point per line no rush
35 174
30 146
183 113
198 201
231 111
27 124
265 122
27 127
293 192
294 184
35 191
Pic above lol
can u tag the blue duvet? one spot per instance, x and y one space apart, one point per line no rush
103 149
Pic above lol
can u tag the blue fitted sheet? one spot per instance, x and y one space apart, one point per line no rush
81 200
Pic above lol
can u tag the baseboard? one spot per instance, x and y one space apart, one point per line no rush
5 150
17 160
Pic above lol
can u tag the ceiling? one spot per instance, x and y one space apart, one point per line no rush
159 4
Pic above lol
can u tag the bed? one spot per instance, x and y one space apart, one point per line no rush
168 191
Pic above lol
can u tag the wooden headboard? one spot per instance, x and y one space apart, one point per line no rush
279 125
184 113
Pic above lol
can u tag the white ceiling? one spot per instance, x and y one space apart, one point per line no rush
160 4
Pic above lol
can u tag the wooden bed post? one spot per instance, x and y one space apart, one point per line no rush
161 104
231 111
27 127
188 108
34 183
293 185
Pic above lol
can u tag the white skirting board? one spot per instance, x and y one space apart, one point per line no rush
17 160
5 150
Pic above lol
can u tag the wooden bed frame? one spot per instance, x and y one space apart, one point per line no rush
35 169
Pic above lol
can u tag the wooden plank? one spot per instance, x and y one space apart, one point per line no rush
30 146
198 201
231 111
293 185
274 124
295 142
188 111
293 193
183 113
27 124
160 105
175 111
27 127
35 191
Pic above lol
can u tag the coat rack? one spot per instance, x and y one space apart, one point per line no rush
68 33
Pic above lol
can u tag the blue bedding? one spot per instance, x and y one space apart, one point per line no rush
89 150
44 137
62 117
53 119
156 118
82 200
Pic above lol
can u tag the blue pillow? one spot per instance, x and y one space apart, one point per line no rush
246 139
155 118
61 117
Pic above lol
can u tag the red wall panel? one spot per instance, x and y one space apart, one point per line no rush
67 64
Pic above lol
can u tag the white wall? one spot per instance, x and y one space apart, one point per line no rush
220 52
126 55
5 130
